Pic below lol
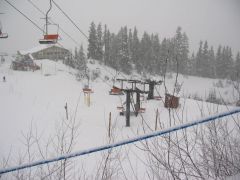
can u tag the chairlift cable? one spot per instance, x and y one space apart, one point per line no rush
24 15
70 19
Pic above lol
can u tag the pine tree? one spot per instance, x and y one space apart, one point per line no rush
81 54
145 54
212 63
135 47
156 60
237 67
199 57
106 39
205 65
224 62
219 62
164 56
191 65
180 51
81 59
114 51
229 63
92 42
75 53
99 50
184 53
176 59
130 45
124 51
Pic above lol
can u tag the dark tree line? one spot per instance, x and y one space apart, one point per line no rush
216 65
126 51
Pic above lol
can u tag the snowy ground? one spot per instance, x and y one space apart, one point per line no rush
37 100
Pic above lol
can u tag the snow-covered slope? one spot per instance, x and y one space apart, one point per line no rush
36 100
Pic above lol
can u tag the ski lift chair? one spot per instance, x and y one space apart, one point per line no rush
115 91
158 98
49 39
141 110
53 36
86 89
121 110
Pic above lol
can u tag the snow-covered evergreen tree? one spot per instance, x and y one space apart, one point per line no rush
199 57
144 63
191 65
180 50
114 51
124 51
218 61
106 39
135 47
205 69
99 50
224 62
130 45
212 63
156 61
80 59
237 66
184 54
229 62
75 53
164 56
92 42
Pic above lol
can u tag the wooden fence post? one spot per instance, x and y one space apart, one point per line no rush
156 120
109 125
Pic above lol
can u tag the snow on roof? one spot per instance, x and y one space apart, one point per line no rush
35 49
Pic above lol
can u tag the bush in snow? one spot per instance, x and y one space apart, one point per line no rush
169 75
212 98
196 97
218 84
95 75
106 78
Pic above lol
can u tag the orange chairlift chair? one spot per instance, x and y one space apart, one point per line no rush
49 38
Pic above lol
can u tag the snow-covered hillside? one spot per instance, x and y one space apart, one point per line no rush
36 100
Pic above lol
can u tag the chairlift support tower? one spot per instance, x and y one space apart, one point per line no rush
128 93
152 85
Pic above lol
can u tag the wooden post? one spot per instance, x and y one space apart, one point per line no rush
109 126
137 102
128 108
66 108
151 90
88 99
41 69
55 68
85 98
156 120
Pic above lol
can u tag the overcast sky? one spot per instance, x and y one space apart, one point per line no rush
217 21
